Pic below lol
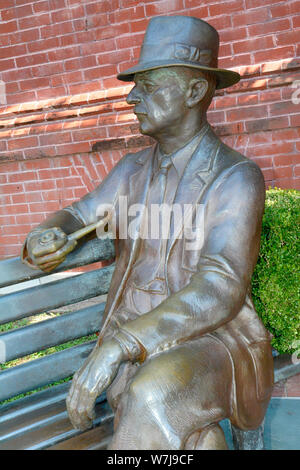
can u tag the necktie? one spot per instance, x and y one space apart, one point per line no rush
164 166
158 283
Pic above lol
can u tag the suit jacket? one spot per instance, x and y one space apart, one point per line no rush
209 287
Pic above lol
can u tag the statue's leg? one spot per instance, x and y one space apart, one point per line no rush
174 394
210 438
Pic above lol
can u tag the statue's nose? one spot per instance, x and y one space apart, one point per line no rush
133 97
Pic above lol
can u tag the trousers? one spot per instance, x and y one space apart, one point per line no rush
163 402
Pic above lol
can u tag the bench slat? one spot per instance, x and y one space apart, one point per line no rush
284 367
95 439
45 334
50 426
43 371
13 271
59 293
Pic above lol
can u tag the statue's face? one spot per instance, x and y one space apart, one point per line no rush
160 102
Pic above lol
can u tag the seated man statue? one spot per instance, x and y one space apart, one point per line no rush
181 346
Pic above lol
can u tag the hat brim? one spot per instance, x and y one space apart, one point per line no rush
225 78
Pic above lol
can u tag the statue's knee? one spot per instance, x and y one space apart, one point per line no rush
141 390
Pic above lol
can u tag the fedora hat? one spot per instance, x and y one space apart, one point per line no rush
181 41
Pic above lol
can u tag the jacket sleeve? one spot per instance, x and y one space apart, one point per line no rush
88 209
216 292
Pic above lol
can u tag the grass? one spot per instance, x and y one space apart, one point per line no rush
38 354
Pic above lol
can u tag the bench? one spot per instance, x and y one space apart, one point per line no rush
39 420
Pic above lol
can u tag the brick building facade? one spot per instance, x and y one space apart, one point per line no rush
64 121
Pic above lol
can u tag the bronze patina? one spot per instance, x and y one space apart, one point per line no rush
181 346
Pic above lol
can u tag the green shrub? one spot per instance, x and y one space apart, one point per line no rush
275 282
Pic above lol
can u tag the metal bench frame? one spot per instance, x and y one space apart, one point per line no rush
40 421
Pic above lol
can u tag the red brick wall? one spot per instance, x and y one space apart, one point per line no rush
64 121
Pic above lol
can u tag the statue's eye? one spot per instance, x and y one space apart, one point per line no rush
149 87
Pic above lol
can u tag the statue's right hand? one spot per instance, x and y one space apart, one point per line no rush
48 247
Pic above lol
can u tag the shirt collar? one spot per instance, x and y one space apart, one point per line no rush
182 155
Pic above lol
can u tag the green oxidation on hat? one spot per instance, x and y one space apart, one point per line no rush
181 41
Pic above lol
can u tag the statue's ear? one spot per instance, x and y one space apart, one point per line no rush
197 90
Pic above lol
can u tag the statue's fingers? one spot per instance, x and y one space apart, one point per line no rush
54 239
51 266
58 255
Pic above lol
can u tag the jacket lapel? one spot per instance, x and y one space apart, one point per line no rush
139 183
198 173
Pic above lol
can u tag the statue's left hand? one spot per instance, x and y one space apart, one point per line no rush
96 374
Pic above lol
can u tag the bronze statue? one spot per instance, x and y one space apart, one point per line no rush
181 346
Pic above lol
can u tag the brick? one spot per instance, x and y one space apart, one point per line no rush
64 53
8 27
47 69
278 11
16 229
273 149
32 59
7 64
260 15
270 95
46 206
235 61
12 51
293 386
43 45
51 93
58 29
19 12
25 36
274 54
17 74
229 7
26 198
102 46
125 14
81 63
285 160
113 31
246 100
67 14
225 102
289 37
267 124
35 21
282 108
165 7
25 176
233 34
249 112
283 172
296 22
41 7
257 3
17 209
53 139
57 4
115 57
269 27
256 44
68 149
221 22
70 182
34 83
295 120
15 144
89 134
